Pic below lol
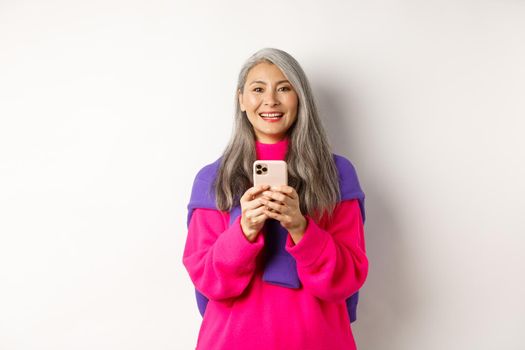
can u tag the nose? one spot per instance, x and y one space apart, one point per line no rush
270 98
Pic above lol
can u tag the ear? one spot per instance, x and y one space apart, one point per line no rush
239 95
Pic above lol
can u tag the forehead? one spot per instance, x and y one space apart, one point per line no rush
265 71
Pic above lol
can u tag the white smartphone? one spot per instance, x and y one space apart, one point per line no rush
270 172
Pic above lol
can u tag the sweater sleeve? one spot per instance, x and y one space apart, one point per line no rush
332 263
219 259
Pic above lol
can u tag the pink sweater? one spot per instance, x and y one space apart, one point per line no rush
244 312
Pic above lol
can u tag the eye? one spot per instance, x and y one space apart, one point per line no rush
257 89
285 88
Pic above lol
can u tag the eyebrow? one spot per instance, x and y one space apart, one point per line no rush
262 82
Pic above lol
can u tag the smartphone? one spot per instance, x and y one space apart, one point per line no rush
270 172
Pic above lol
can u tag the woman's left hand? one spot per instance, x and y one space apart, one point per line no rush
285 209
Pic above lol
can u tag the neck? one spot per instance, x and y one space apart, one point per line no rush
270 141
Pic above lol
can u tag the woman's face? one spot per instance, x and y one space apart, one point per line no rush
268 91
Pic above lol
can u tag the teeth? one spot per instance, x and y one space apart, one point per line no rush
271 115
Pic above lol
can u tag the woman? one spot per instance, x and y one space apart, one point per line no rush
276 271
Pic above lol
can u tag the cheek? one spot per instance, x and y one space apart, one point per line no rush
252 100
291 102
291 98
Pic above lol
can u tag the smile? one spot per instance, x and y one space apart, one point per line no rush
271 116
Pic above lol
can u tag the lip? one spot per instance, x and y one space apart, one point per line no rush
272 120
271 112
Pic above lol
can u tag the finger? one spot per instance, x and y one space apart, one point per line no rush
253 213
286 190
278 196
282 199
252 204
273 215
275 206
250 194
260 218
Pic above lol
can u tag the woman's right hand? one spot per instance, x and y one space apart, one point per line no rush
252 211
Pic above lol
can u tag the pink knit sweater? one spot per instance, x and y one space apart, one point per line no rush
244 312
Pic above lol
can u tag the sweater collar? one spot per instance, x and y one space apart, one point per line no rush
272 151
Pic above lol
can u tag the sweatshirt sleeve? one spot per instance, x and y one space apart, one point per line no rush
332 263
219 259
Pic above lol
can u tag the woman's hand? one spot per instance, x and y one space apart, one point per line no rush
252 211
285 208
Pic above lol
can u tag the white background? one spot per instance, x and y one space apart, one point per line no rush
109 108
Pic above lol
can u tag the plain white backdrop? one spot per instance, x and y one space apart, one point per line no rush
109 108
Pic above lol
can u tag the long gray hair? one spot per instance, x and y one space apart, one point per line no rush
311 167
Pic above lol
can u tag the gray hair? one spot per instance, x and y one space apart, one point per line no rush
311 168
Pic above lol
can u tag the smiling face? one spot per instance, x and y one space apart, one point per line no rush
269 101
